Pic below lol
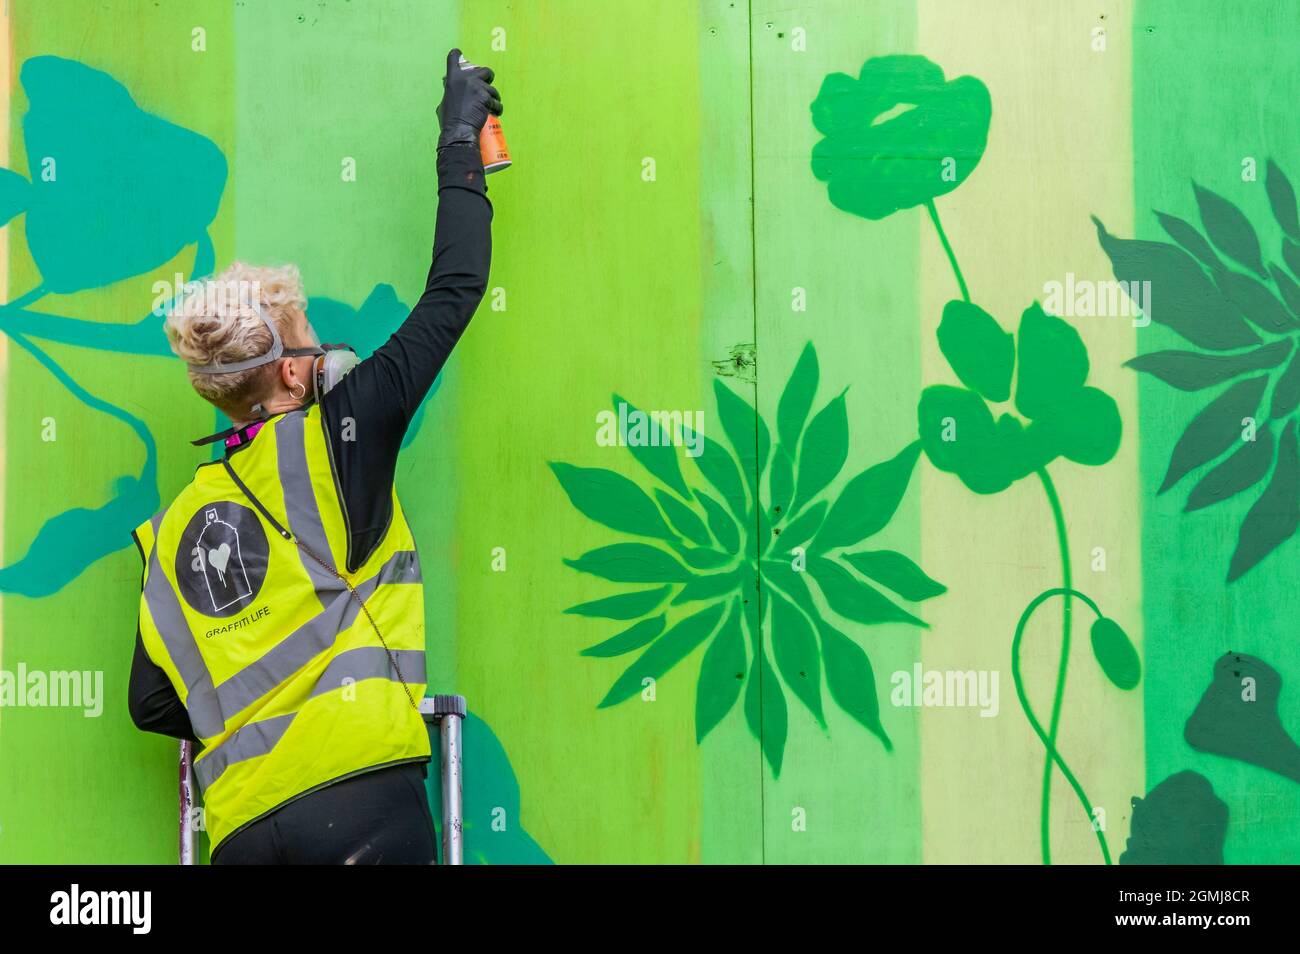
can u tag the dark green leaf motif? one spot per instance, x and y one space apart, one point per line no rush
623 606
748 557
1276 515
1228 229
1182 296
1232 299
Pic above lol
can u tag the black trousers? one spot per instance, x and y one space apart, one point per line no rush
376 818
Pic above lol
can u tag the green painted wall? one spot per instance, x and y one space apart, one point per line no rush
726 209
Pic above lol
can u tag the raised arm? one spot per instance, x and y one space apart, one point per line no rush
378 398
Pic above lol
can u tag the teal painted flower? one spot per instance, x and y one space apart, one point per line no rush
1057 414
898 136
1242 318
114 191
748 561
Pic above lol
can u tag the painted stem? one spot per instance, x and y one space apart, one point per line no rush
952 258
1049 743
1062 542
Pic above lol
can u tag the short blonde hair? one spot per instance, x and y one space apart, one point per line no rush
213 323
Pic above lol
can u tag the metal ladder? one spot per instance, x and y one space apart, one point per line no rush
447 711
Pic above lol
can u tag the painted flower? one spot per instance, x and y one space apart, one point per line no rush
748 562
1057 414
114 191
1242 318
898 136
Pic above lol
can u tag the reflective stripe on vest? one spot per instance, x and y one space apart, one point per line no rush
165 607
259 738
311 639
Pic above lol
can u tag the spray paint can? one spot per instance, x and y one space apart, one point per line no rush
491 141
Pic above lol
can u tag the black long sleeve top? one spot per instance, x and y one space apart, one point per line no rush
380 395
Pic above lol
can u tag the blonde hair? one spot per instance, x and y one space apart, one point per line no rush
213 323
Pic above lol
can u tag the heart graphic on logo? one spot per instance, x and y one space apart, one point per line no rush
219 557
222 559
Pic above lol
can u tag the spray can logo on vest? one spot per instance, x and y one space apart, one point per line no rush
221 562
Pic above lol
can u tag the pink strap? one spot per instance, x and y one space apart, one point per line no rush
245 435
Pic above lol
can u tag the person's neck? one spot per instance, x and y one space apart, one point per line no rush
269 412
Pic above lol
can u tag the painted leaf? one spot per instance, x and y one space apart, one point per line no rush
1274 517
683 519
1052 364
634 637
1086 431
896 571
1228 229
851 681
791 582
1287 288
1243 469
1215 429
719 469
709 586
658 455
796 399
822 454
868 501
853 598
623 606
795 648
980 353
1194 370
631 563
764 533
1115 653
611 499
960 436
1182 296
1282 198
745 431
1256 302
781 483
765 707
722 673
1291 255
702 558
1185 234
1286 393
664 653
801 529
721 525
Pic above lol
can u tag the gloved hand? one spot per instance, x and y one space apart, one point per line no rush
467 99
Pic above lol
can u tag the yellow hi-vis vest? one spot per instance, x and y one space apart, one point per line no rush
285 680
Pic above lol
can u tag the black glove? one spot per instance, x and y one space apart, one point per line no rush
467 99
